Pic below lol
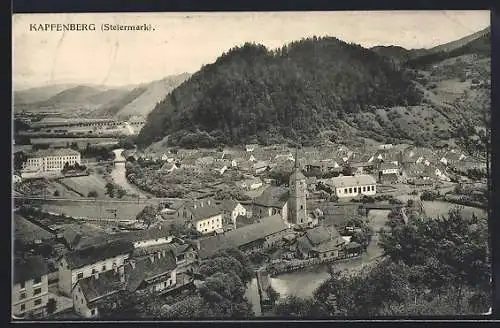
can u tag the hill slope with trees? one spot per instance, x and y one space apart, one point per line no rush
299 90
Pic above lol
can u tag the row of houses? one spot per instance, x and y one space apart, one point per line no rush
131 263
89 274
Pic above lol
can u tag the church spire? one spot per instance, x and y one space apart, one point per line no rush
296 157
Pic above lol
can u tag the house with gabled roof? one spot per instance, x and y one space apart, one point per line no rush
267 232
251 147
154 273
156 235
169 167
272 201
205 215
81 263
232 209
90 292
250 184
320 242
205 161
352 186
260 167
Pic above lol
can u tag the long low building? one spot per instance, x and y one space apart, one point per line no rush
263 234
352 186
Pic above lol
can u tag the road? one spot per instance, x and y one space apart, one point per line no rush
94 200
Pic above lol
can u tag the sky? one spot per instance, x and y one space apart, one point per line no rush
183 42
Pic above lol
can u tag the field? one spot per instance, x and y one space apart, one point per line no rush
83 185
95 210
439 208
27 232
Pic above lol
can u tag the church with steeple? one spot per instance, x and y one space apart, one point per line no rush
297 207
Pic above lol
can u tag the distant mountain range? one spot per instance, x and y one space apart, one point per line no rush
99 101
321 88
142 99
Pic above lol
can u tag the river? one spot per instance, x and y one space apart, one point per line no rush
304 282
118 174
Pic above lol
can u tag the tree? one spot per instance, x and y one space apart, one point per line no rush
110 189
126 142
19 159
120 192
51 305
147 215
66 167
296 307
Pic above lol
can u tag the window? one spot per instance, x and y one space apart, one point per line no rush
364 188
37 291
81 301
23 307
103 268
373 188
92 312
94 271
301 207
350 190
22 296
38 301
345 190
80 275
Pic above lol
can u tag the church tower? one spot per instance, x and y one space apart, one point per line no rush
297 210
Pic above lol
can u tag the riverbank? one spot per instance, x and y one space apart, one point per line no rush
119 176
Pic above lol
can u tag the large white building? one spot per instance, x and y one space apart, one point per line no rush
204 215
351 186
51 160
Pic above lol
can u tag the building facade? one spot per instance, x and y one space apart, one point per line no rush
352 186
203 215
209 224
90 291
86 262
30 290
51 160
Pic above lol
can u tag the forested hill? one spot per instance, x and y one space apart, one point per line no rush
252 93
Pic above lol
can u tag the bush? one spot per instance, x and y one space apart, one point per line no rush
429 195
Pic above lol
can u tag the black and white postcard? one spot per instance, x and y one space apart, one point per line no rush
251 165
